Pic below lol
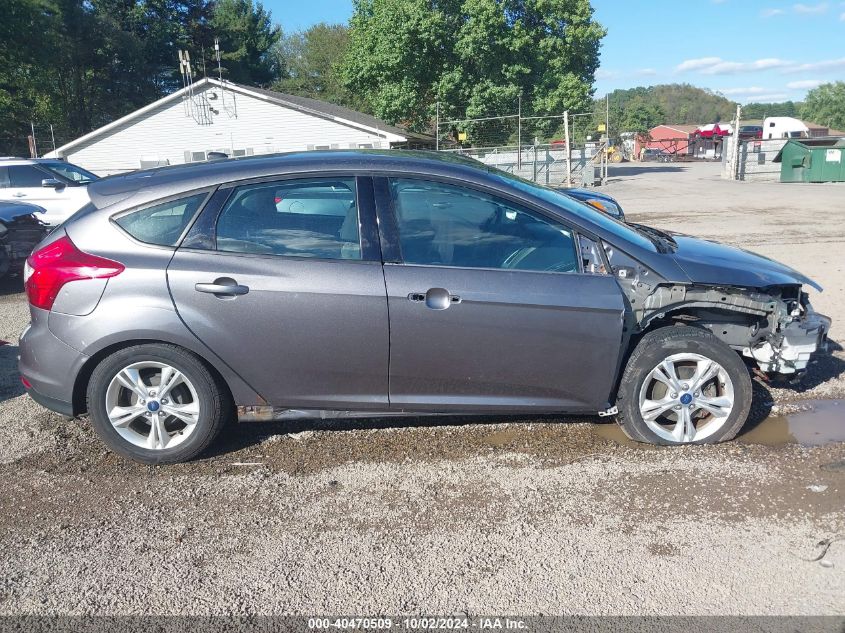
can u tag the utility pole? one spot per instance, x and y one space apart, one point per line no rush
607 134
437 129
53 136
568 149
519 133
34 151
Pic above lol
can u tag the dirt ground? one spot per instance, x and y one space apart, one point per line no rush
499 515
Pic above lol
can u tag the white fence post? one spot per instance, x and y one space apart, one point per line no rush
568 149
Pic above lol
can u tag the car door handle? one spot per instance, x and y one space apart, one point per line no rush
19 195
434 298
222 287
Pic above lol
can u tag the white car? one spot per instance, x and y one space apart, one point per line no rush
59 187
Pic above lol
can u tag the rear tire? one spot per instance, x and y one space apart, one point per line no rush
682 385
156 403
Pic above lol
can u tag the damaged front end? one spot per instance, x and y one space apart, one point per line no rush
799 333
776 326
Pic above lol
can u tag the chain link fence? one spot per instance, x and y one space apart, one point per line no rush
533 147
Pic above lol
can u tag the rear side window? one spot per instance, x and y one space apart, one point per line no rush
163 223
26 176
314 217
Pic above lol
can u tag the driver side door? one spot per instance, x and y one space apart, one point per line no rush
489 307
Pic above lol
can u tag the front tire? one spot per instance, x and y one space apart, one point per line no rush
682 385
156 404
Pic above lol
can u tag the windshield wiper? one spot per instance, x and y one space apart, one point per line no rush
662 240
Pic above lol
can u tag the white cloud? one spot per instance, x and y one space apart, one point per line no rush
696 64
770 13
773 97
842 18
826 64
719 66
646 72
606 74
804 84
731 68
753 90
811 9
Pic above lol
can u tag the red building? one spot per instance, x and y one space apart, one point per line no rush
674 139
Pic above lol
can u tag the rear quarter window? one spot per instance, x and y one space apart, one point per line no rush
162 224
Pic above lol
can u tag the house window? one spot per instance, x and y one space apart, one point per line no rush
202 156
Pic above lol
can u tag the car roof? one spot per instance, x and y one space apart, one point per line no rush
115 194
160 182
16 160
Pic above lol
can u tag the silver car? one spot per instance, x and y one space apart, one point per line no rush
381 283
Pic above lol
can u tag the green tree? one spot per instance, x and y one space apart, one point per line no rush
247 38
825 105
640 115
476 57
309 62
676 103
94 61
23 59
763 110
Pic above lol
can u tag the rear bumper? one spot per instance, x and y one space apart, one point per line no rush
49 365
59 406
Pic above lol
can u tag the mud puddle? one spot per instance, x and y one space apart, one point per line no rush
819 422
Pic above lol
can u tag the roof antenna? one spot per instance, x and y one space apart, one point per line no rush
183 73
217 55
231 109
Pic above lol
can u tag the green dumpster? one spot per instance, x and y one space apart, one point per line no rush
812 160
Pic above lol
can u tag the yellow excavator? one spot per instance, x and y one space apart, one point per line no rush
613 153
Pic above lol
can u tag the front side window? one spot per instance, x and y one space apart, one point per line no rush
314 217
71 172
448 225
163 223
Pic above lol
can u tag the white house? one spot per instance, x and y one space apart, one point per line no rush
215 116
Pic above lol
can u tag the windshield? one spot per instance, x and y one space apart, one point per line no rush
618 228
71 172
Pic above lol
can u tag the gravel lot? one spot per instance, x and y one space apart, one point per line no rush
499 515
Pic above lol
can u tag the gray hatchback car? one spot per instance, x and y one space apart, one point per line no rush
381 283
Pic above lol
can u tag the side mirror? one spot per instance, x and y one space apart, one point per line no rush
52 183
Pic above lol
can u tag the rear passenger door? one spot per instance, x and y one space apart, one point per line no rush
283 280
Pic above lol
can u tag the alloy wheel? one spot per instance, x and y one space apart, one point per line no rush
686 398
152 405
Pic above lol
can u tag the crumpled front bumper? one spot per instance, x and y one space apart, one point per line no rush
789 351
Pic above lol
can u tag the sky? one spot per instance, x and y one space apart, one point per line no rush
748 50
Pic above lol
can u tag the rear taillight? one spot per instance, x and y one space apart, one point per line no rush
60 262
